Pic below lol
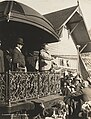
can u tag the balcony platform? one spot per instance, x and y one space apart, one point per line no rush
48 102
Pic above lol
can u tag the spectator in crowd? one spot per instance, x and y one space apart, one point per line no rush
18 57
86 107
86 91
45 58
2 67
65 90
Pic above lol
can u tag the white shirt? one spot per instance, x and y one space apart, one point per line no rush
18 49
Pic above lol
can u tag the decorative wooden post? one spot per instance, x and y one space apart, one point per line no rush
78 63
7 88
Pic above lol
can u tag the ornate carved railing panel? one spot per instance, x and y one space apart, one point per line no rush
31 85
17 86
52 87
43 84
20 86
57 83
2 88
23 86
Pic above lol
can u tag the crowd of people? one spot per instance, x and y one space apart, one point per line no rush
77 95
76 103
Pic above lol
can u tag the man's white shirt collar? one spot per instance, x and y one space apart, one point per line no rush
18 49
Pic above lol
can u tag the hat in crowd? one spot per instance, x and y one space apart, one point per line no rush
74 74
85 83
66 73
20 41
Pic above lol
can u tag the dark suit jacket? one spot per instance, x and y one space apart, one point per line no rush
18 58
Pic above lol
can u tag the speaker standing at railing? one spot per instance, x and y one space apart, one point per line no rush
45 58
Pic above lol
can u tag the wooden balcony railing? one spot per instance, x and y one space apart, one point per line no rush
3 88
21 86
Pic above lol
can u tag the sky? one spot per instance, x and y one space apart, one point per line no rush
66 46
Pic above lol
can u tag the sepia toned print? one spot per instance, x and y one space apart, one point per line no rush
45 59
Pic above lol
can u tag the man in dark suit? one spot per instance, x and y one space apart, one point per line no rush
18 57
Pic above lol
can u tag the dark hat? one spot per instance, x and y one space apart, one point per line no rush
20 41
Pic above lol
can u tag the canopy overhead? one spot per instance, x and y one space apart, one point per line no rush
17 19
71 18
61 16
78 30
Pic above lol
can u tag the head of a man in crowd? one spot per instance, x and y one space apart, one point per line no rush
77 81
85 84
20 43
44 46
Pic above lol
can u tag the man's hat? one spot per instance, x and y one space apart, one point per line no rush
20 41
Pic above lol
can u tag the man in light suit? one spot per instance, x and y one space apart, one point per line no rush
45 58
18 57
